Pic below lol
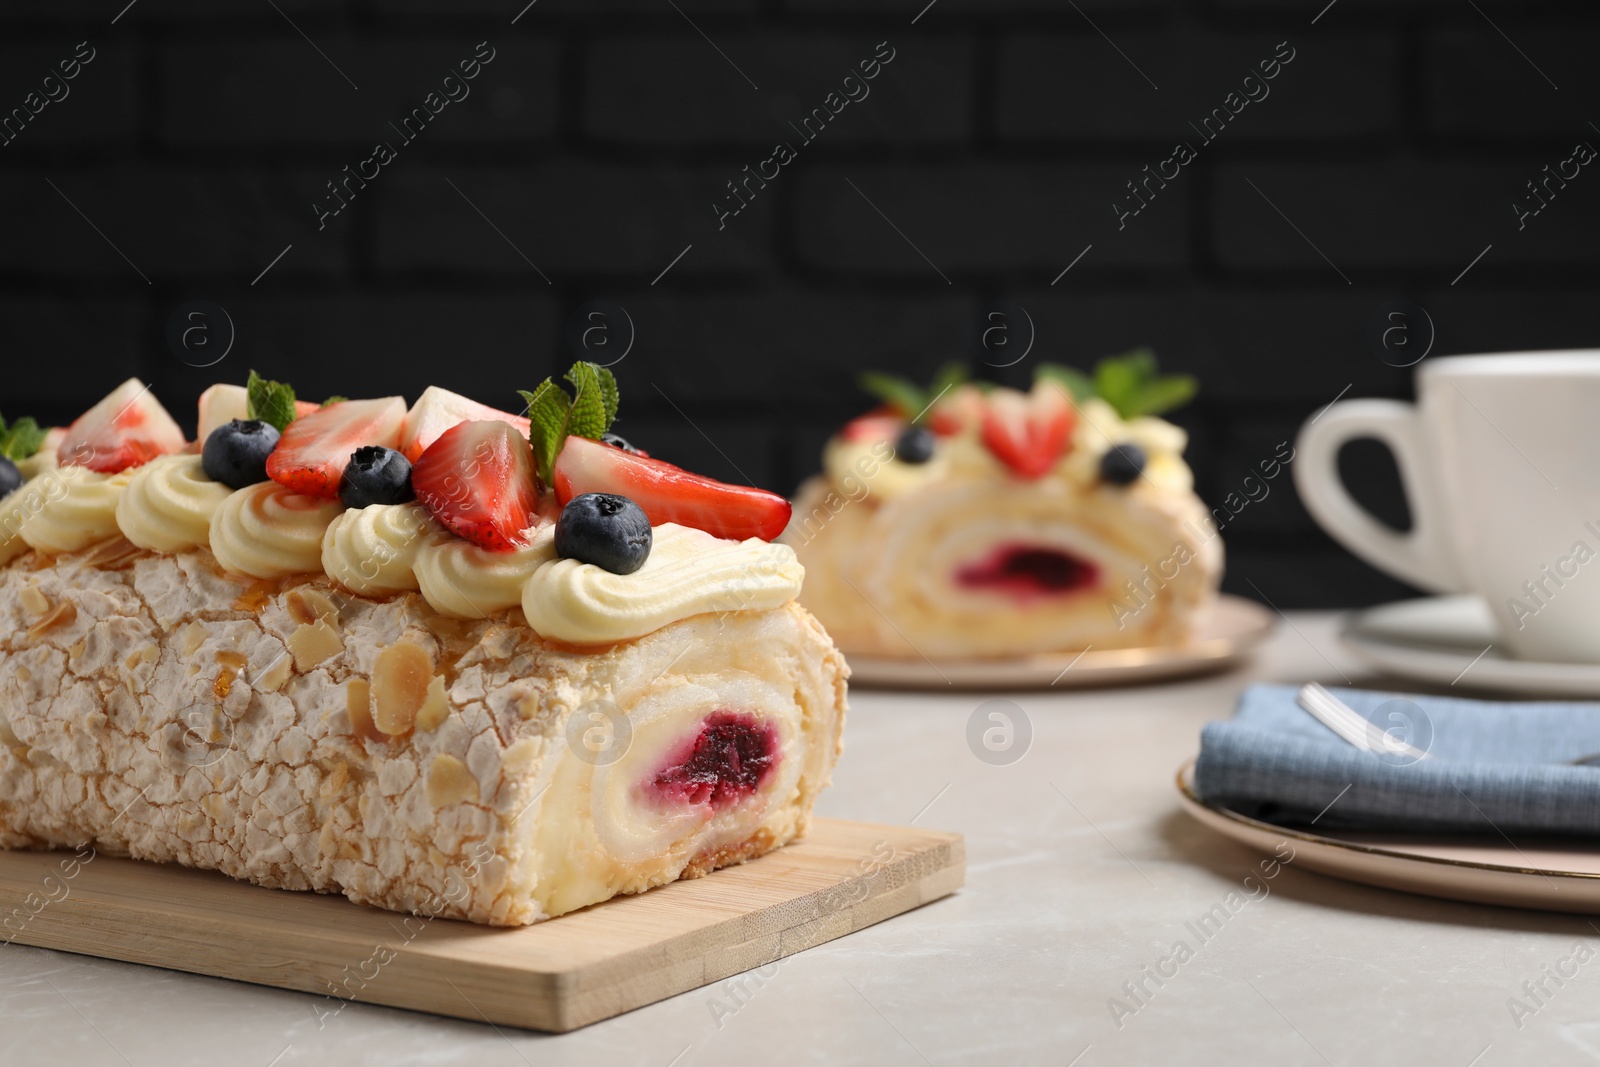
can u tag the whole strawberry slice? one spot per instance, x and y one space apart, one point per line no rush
221 403
315 449
1028 432
961 407
882 424
477 478
436 410
668 493
127 429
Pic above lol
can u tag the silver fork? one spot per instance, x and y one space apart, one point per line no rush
1349 724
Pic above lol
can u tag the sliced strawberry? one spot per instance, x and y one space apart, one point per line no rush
1028 432
879 425
436 410
668 493
478 480
221 404
315 448
126 429
961 407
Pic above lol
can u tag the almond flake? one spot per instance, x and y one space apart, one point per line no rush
313 643
400 680
194 635
358 706
114 554
33 600
255 596
435 706
63 615
271 680
308 605
449 781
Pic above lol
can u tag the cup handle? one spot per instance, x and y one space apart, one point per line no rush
1421 556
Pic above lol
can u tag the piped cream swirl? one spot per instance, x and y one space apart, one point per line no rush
15 509
267 531
689 572
465 581
74 507
373 549
168 504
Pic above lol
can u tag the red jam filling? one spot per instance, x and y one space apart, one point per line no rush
727 761
1028 571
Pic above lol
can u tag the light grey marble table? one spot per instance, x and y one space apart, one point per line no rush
1083 872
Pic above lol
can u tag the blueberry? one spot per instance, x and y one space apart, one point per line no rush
1123 464
605 529
915 445
616 441
10 477
376 475
236 454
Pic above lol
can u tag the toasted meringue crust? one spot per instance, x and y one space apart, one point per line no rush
160 707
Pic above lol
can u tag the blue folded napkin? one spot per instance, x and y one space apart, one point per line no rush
1491 767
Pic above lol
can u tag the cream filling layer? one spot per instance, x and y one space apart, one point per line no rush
688 572
168 505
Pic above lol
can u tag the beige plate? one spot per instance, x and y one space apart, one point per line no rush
1228 631
1549 876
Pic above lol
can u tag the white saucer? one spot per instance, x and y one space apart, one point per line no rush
1444 639
1550 875
1227 632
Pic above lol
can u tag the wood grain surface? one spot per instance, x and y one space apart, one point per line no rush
556 975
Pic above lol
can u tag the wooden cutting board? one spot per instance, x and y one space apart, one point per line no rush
556 975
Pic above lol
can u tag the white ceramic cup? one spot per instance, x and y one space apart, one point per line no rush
1500 459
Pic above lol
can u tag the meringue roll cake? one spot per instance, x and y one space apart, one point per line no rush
963 521
440 659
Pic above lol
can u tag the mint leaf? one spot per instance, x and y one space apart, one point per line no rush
1118 381
1164 394
587 416
950 375
609 394
271 402
547 415
1078 385
909 400
20 440
1130 384
906 399
553 416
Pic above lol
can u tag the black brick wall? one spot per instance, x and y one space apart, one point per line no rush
591 149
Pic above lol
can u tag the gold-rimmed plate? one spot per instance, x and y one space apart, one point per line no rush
1548 875
1227 632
